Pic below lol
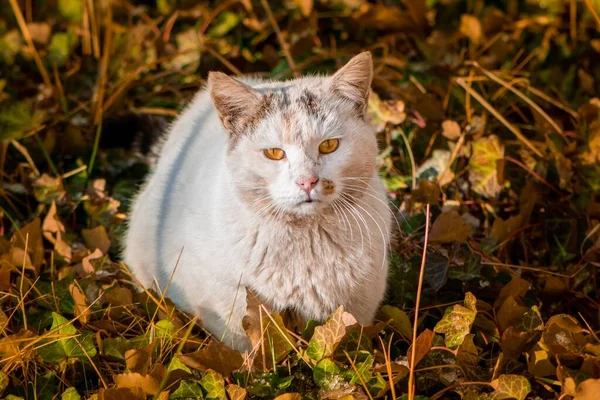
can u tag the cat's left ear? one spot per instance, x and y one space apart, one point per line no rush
353 80
234 101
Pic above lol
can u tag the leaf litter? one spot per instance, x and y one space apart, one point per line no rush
487 111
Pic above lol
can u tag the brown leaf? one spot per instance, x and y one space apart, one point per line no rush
450 129
510 312
516 288
87 266
135 393
39 31
134 380
96 238
32 234
53 230
289 396
327 336
216 356
538 362
252 320
81 310
235 392
514 342
588 390
483 174
422 345
449 227
471 28
139 360
305 6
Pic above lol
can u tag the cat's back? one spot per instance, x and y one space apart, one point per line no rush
190 160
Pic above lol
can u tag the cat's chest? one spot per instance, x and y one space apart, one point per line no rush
314 268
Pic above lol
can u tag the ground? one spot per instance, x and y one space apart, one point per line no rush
489 130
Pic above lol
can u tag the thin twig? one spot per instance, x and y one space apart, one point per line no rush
25 32
520 95
499 116
413 353
280 39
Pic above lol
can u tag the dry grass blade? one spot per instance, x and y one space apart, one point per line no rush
498 116
411 376
26 34
522 96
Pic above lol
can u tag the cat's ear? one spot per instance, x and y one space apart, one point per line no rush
234 101
353 80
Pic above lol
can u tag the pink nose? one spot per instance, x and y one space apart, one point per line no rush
307 183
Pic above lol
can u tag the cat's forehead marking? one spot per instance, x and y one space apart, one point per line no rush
308 101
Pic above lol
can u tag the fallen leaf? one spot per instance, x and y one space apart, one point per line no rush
511 387
449 227
139 360
470 26
305 6
53 230
216 356
88 268
122 394
96 238
187 390
235 392
327 336
289 396
39 32
450 129
134 380
399 320
588 390
422 345
29 238
81 309
74 344
483 173
457 321
516 288
510 312
212 382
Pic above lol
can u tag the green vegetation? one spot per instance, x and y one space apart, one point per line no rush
487 117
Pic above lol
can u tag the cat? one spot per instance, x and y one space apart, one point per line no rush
272 187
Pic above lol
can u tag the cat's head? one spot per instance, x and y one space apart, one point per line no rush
297 147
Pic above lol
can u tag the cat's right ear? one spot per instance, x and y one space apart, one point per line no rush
233 100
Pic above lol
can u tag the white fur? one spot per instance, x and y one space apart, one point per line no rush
310 257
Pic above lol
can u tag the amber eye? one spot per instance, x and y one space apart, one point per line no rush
274 154
329 146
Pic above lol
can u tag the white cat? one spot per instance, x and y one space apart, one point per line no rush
270 186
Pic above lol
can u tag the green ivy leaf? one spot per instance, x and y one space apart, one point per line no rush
483 173
59 48
187 390
364 370
70 9
327 336
326 372
225 22
176 364
16 118
164 329
400 321
212 382
511 387
70 394
457 321
78 346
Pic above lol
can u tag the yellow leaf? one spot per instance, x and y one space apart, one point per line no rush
305 6
471 28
